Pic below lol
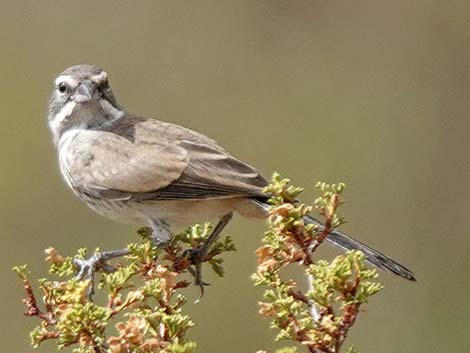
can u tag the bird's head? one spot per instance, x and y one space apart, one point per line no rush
81 98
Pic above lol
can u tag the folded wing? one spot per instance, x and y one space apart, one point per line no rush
159 161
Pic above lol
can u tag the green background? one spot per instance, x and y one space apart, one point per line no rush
373 93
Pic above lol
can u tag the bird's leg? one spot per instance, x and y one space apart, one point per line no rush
198 255
88 267
161 234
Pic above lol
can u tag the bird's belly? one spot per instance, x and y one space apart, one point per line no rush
118 211
183 213
176 214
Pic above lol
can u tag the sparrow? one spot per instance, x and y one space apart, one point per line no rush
148 172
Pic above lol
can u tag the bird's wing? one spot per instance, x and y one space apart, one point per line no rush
211 171
211 174
107 165
154 160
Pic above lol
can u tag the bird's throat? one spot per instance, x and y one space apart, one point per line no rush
98 114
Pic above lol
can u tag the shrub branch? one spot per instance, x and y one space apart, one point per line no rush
140 306
320 317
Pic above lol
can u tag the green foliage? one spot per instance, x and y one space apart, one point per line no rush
143 298
319 318
22 271
328 202
187 347
346 277
281 190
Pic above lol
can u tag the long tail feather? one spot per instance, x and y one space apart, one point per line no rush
373 256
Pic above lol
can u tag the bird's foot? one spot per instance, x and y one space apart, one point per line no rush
197 257
97 262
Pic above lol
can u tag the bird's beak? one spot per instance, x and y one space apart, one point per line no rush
85 92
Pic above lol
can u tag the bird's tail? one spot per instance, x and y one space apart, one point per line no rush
347 242
375 257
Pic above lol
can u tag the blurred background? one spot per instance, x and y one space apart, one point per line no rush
372 93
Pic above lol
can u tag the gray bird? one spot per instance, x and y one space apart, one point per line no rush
148 172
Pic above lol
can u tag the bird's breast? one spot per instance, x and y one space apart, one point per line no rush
66 156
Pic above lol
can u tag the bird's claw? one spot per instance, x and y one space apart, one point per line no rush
97 262
197 257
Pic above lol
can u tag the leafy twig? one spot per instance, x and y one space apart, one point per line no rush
319 318
143 297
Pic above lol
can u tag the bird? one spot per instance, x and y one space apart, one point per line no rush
144 171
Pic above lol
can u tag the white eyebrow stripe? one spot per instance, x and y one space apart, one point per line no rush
67 79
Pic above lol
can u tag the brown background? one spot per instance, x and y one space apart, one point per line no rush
373 93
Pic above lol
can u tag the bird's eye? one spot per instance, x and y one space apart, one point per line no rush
62 87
